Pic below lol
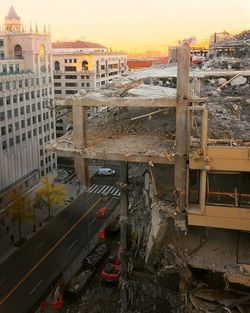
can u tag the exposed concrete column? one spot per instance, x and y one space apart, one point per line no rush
181 126
203 173
80 142
124 217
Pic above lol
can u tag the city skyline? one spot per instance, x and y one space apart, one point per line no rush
133 26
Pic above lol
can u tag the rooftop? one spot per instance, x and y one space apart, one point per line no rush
76 45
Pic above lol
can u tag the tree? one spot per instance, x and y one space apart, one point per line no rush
51 194
18 209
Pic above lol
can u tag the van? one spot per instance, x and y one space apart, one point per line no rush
106 172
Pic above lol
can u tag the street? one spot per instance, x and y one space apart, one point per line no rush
28 273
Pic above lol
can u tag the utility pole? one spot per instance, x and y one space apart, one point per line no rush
124 224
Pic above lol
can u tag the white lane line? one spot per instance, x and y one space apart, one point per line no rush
40 244
110 188
106 189
68 218
117 192
36 286
72 245
93 220
3 280
100 191
96 188
92 188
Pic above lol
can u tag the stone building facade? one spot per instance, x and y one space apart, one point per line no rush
27 118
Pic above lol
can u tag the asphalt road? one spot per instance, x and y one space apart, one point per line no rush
111 180
30 271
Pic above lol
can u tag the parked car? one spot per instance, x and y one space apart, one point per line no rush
106 172
102 212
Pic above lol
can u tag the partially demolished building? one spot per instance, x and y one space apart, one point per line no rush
183 140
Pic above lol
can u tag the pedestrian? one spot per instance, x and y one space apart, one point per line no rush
12 238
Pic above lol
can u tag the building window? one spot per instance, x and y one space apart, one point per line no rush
58 92
65 61
71 84
4 145
10 128
57 84
57 76
18 52
16 125
70 76
71 92
57 66
8 100
21 97
85 65
3 131
2 116
70 68
17 139
9 114
23 137
11 142
34 132
1 101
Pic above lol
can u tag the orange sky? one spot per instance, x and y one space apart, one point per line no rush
133 25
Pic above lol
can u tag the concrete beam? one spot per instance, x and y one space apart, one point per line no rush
120 102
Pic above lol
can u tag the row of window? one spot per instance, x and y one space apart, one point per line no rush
27 96
71 84
9 128
16 84
24 137
15 113
71 76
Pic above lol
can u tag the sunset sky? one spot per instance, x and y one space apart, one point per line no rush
133 25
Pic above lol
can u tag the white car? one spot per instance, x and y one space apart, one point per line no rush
106 172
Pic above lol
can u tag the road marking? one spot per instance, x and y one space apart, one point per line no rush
72 245
106 189
48 253
93 220
36 286
67 219
40 244
2 281
100 191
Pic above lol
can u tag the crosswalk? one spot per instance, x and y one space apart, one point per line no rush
104 188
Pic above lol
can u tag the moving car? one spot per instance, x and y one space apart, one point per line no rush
102 212
106 172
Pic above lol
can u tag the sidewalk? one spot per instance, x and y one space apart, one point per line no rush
6 246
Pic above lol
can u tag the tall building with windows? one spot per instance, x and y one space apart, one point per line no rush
27 121
82 65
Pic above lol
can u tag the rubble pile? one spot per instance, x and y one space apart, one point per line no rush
228 107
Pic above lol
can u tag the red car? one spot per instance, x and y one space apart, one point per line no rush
102 212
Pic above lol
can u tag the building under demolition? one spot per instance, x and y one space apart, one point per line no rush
183 140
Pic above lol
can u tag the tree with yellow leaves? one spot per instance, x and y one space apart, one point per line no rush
51 194
19 209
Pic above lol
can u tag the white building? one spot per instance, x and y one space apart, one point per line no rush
26 96
82 65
